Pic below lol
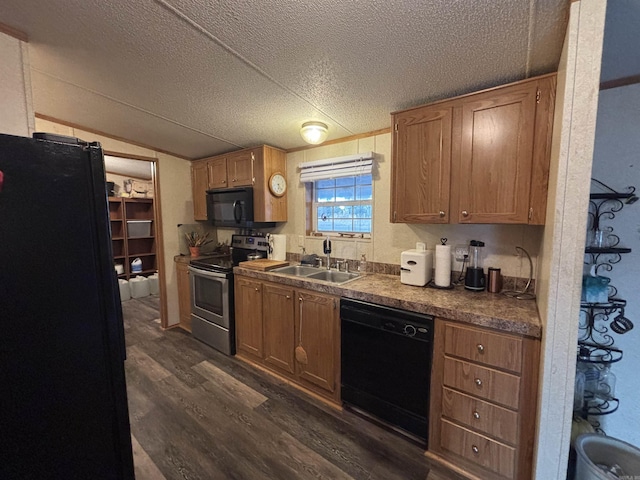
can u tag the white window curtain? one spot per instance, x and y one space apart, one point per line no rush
347 166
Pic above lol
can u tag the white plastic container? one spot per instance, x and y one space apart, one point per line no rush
125 292
416 266
136 265
139 287
154 284
138 228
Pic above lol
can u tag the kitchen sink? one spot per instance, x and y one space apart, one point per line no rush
316 273
296 270
333 276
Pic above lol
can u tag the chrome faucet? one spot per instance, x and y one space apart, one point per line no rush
326 247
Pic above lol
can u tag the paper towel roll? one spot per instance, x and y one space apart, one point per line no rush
278 243
443 266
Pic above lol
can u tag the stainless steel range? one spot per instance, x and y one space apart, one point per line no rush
212 319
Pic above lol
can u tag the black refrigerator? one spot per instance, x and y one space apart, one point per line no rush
63 399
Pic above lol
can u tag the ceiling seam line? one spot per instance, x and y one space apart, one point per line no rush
140 109
532 11
244 60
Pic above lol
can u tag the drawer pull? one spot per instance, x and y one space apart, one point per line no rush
475 450
478 382
480 348
476 415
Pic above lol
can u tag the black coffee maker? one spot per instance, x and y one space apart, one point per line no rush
474 278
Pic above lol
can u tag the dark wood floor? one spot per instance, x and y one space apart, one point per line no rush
198 414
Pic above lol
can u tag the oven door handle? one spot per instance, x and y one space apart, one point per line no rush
206 273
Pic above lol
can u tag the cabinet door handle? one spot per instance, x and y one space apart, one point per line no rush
256 289
480 348
475 450
442 214
465 213
288 297
478 382
476 415
224 181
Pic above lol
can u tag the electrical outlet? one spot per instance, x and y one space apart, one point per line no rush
460 251
301 240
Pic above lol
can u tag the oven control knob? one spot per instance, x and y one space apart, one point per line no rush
409 330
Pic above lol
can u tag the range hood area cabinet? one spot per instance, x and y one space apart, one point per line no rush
247 167
478 158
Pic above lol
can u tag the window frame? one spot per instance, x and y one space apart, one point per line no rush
312 206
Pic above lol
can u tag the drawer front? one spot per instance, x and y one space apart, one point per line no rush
491 419
494 349
499 387
483 451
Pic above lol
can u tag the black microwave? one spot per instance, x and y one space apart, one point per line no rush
233 207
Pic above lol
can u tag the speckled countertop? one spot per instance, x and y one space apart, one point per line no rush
490 310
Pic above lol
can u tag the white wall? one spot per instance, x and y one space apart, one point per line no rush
16 107
562 251
616 162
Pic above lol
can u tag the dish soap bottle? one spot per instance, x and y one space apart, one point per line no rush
362 265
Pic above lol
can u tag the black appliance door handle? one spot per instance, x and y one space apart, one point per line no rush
237 211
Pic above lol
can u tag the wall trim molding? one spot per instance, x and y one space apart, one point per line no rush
113 137
14 32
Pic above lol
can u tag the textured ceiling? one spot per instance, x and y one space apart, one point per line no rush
200 77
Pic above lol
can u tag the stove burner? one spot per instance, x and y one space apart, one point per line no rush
214 263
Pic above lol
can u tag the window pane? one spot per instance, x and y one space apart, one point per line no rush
343 212
363 180
345 181
325 226
363 226
344 194
325 212
341 225
325 183
325 195
363 192
362 211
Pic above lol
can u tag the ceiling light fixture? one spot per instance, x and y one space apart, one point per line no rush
314 132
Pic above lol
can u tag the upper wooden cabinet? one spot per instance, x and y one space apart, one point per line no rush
217 172
248 167
422 165
479 158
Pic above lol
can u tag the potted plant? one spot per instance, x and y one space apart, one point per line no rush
195 240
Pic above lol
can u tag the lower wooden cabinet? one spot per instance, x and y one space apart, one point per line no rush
273 319
248 310
317 331
184 295
483 401
278 324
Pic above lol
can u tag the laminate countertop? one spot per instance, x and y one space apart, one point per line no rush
491 310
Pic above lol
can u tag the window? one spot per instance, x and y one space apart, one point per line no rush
343 205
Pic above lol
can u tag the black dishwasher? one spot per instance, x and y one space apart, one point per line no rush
386 364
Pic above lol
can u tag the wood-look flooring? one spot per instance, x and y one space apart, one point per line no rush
198 414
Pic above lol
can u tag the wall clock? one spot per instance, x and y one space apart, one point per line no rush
277 184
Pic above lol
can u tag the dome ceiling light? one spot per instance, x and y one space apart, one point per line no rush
314 132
